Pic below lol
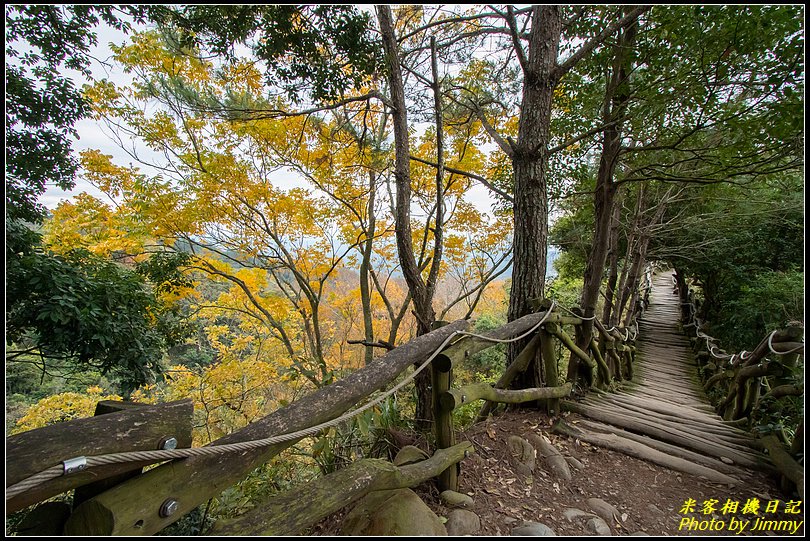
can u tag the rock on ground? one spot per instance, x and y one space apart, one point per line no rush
409 455
572 512
392 512
451 498
597 526
608 512
462 522
533 528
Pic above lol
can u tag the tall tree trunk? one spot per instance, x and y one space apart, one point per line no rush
438 230
632 239
365 264
529 160
617 94
613 263
420 293
633 279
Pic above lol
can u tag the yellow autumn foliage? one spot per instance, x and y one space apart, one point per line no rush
227 395
62 407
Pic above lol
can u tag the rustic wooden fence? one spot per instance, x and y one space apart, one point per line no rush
741 378
102 458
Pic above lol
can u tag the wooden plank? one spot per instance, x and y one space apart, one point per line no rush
675 423
671 408
135 429
669 448
668 434
639 450
105 407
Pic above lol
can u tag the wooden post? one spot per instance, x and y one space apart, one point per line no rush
132 429
85 492
793 333
600 362
443 421
549 355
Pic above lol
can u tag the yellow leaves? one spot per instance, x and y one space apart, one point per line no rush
467 218
147 50
104 97
111 179
407 18
89 223
171 295
241 76
227 395
62 407
160 131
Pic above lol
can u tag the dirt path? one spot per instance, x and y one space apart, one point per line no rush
649 498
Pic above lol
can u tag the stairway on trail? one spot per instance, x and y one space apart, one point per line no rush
663 415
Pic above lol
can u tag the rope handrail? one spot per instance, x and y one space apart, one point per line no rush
770 346
582 317
743 355
80 463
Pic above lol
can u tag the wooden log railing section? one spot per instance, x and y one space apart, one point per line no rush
123 500
739 379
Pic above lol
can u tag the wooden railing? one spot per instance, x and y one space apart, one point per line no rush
739 378
124 500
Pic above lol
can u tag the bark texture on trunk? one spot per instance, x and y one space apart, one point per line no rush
421 294
529 160
617 95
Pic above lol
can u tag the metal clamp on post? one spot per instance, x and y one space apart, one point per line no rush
74 465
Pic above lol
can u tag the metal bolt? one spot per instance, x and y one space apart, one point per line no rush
168 508
168 443
463 398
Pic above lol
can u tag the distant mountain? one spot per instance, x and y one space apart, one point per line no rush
553 254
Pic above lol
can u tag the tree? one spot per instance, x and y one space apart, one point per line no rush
742 246
42 103
313 52
533 36
76 311
617 94
222 138
682 114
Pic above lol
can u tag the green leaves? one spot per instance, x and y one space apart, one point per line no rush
744 246
322 50
83 311
42 105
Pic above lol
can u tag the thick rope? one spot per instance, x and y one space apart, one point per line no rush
770 346
583 318
151 457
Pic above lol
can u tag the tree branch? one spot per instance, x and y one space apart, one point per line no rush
473 176
589 46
